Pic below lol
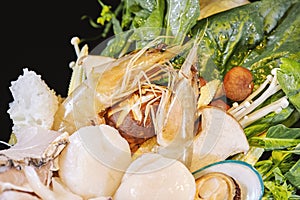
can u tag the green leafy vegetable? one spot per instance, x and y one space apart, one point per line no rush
229 36
275 173
255 36
277 137
181 17
281 131
141 23
145 20
289 80
116 45
273 143
293 175
281 171
279 187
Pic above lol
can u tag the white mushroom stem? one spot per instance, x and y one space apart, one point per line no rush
72 64
248 105
276 106
78 74
75 42
236 107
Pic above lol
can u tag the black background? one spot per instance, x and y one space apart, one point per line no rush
36 35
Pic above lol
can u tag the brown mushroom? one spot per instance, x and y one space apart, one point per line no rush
238 83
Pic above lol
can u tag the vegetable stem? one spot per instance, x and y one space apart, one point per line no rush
276 106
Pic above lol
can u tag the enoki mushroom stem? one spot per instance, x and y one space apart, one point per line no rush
242 112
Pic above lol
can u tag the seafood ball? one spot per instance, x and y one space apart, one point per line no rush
93 163
238 83
152 176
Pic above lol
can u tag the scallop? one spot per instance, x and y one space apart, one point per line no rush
93 163
152 176
228 179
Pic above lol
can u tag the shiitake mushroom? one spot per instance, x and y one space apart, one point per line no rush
134 131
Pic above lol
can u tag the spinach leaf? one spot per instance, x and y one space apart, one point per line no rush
273 143
283 160
281 131
152 27
145 26
278 42
281 170
279 188
115 45
293 120
264 166
228 37
147 19
289 80
255 36
293 175
280 173
136 12
277 137
181 16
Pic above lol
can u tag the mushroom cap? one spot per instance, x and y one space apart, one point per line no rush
220 136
